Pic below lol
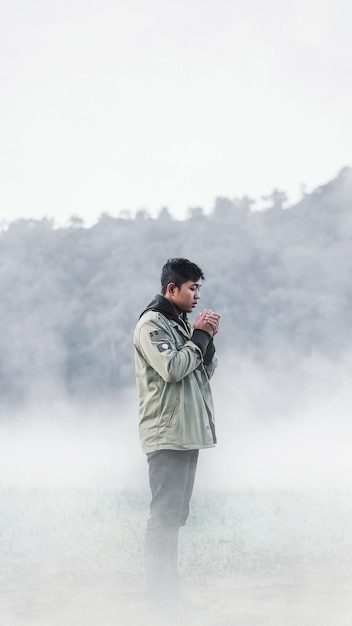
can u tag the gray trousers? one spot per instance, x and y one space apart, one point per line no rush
171 479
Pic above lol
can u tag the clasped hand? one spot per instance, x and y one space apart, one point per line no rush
209 321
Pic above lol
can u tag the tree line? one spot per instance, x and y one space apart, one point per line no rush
70 297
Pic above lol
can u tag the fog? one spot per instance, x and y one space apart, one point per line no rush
67 446
277 429
284 427
268 540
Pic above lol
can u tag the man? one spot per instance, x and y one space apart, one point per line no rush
174 362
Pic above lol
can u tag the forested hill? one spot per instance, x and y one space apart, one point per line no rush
70 297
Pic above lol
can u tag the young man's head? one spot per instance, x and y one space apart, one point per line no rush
180 284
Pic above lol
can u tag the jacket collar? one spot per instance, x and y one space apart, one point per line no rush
164 306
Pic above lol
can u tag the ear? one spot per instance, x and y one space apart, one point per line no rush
170 289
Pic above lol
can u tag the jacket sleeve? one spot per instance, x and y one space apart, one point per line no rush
156 344
203 340
210 359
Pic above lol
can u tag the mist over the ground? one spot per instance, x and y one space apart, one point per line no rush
268 540
277 429
284 428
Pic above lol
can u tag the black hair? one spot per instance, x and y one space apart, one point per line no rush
179 271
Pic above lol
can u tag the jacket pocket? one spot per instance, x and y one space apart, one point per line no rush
170 418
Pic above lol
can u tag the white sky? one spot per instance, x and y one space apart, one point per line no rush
107 105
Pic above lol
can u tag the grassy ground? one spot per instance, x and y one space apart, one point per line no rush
73 557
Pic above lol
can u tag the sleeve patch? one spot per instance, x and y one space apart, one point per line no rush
153 333
165 345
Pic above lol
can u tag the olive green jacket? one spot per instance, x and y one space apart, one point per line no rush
173 364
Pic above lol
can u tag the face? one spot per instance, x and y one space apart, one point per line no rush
184 298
